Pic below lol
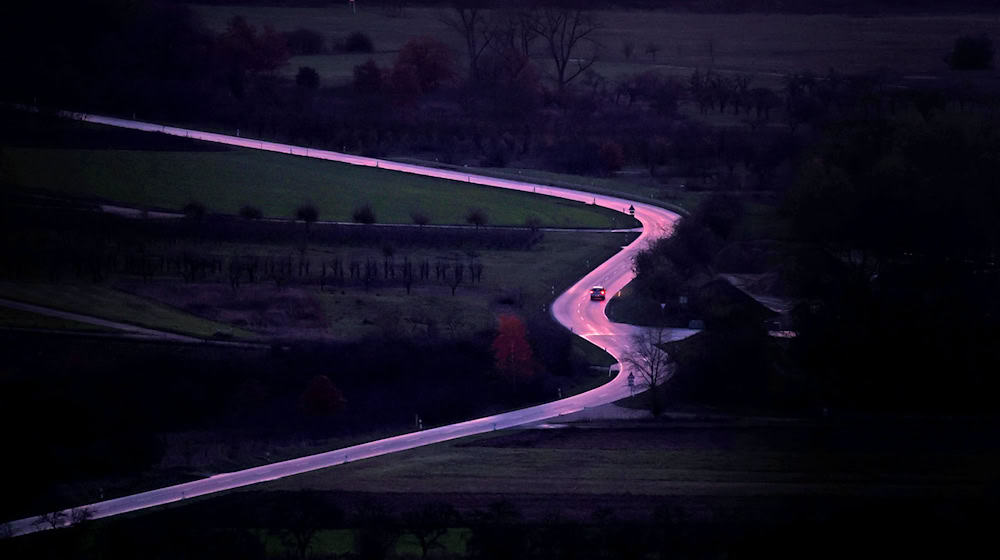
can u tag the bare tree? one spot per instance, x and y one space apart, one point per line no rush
430 523
468 19
649 363
80 515
53 519
564 30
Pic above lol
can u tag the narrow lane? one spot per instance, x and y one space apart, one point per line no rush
573 309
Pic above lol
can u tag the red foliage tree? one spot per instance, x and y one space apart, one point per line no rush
322 397
511 352
252 50
432 60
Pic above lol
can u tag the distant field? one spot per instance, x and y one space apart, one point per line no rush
767 44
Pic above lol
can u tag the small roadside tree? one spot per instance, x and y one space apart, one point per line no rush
649 363
477 217
420 218
250 212
307 213
364 214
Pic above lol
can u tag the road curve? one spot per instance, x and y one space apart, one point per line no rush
573 309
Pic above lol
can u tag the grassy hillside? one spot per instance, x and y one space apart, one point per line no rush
170 175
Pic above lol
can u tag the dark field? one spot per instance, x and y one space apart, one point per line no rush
693 487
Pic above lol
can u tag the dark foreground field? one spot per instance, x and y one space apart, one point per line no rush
675 487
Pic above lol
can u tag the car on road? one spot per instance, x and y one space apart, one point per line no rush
597 293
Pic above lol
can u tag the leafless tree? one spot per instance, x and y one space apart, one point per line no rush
469 19
80 515
53 519
649 363
564 31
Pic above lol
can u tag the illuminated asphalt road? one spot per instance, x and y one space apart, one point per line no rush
573 309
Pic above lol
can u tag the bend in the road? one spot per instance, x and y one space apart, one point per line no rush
573 309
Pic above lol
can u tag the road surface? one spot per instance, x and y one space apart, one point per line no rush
573 309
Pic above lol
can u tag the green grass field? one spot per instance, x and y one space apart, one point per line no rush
15 318
224 181
765 44
108 303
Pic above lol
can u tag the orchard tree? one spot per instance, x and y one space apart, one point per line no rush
512 354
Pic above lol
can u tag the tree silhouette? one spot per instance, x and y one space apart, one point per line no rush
649 363
250 212
971 53
429 523
477 217
420 218
564 30
307 77
364 214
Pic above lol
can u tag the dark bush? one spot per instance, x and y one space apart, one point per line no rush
250 212
368 77
358 42
307 213
971 53
420 218
194 210
364 214
307 77
304 41
575 156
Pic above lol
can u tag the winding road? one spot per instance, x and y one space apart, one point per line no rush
573 309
